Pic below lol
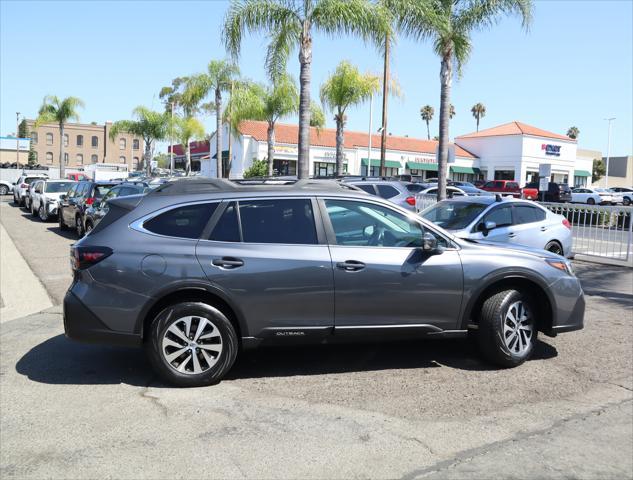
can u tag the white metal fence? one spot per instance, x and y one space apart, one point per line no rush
603 232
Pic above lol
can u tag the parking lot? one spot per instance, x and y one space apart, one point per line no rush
427 409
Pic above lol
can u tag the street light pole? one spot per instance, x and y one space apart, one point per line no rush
606 178
17 141
171 142
371 106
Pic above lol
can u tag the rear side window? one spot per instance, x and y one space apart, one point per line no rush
227 229
526 214
368 188
182 222
288 221
387 191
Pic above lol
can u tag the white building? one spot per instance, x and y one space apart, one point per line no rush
511 151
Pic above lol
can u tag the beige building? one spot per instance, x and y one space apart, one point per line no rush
620 172
84 144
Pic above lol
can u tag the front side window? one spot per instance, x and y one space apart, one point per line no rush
56 187
362 224
49 139
183 222
284 221
501 216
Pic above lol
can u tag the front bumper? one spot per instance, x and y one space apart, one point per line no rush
569 314
82 325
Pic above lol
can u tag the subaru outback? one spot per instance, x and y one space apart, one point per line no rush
199 269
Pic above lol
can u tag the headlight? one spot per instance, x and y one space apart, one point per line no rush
563 265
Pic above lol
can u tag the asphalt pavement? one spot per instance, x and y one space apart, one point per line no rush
393 410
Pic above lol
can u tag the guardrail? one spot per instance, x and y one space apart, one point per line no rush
598 231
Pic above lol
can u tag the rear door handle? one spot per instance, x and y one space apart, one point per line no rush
512 235
543 229
350 265
227 262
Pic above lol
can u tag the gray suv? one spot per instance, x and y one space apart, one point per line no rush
199 269
400 193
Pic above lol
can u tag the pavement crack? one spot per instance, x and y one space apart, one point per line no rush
472 453
144 393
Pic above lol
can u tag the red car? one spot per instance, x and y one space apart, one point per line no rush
510 187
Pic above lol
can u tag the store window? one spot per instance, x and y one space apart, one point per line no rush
375 171
284 167
580 181
504 174
326 169
49 139
531 177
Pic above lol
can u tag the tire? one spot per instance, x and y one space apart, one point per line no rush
554 247
497 338
626 202
89 227
79 227
222 347
591 201
43 213
32 209
4 190
62 225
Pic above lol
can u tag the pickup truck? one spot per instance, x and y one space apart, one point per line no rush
510 187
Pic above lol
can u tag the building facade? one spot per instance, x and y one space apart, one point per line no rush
620 172
84 144
513 151
14 150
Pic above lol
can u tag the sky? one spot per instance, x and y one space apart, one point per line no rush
573 67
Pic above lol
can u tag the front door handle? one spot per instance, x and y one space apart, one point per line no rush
350 265
543 229
227 262
512 235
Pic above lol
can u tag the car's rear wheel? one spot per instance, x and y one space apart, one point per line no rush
89 227
507 328
554 247
591 201
79 227
43 213
62 224
191 344
626 201
4 190
33 211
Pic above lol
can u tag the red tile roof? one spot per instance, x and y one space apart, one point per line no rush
326 137
515 128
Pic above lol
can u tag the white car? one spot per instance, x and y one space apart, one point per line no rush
626 192
5 187
21 187
506 220
45 196
590 196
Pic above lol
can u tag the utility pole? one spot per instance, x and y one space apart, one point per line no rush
171 141
371 107
385 94
17 140
606 178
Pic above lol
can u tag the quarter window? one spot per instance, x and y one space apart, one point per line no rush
284 221
361 224
182 222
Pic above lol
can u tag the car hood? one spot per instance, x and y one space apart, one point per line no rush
510 248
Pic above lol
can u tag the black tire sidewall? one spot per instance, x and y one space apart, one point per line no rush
558 245
166 318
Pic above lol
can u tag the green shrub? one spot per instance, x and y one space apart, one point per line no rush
258 169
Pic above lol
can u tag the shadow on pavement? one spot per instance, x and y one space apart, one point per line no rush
608 282
61 361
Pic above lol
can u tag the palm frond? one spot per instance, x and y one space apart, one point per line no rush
359 17
282 43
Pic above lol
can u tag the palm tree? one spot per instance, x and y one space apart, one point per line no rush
427 112
264 103
291 25
573 133
56 110
449 25
186 130
344 88
150 125
479 112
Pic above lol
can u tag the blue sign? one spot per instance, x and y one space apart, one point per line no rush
553 150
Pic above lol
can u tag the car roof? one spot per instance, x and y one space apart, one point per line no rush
489 200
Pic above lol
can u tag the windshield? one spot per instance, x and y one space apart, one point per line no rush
56 187
452 215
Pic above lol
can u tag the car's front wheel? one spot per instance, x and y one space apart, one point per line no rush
554 247
191 344
62 224
626 201
507 328
43 213
4 190
591 201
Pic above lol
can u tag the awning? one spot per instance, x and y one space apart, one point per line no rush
470 170
582 173
422 166
225 155
376 163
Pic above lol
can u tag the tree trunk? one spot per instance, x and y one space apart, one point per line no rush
385 96
340 143
229 161
305 60
188 158
271 147
62 164
428 132
218 131
446 75
477 117
148 156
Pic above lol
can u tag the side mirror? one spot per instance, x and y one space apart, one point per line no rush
63 197
429 243
490 225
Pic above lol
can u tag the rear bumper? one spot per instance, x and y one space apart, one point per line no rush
82 325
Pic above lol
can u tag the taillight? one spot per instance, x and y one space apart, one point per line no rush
84 257
410 201
90 200
566 223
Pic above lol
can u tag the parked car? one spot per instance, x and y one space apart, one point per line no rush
77 177
479 183
392 190
45 197
5 187
606 193
587 195
450 192
627 194
98 210
518 222
198 269
72 206
503 187
470 189
21 186
556 192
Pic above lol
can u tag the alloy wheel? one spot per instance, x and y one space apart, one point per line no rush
192 345
42 213
554 247
78 226
518 327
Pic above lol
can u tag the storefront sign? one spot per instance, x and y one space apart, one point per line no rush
331 156
553 150
285 149
424 160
